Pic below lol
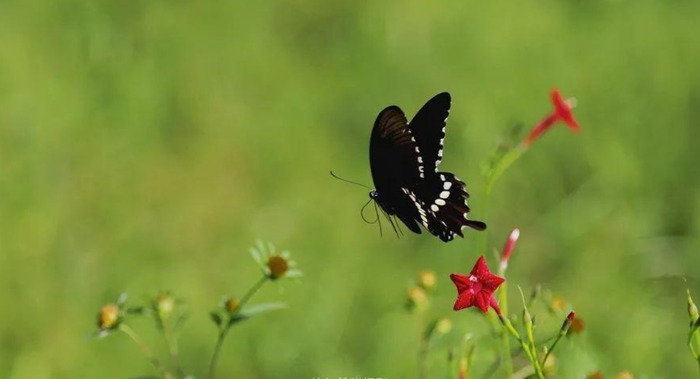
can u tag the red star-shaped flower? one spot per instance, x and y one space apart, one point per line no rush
477 288
562 112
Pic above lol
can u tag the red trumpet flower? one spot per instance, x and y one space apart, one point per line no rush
477 289
562 112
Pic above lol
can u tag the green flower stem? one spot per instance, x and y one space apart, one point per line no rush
529 329
561 334
505 339
223 331
531 355
251 292
696 337
425 333
146 351
171 342
491 177
470 359
423 357
693 338
502 165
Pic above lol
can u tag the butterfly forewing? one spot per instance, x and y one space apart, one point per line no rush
428 129
393 153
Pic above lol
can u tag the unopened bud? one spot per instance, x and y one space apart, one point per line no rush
463 368
508 250
164 304
567 322
527 319
231 305
443 326
427 280
692 309
417 298
536 292
108 317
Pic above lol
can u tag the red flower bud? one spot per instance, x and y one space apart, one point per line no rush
508 250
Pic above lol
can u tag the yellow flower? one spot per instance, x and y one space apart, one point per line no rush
443 326
108 317
417 298
231 305
427 280
558 304
278 266
274 265
624 375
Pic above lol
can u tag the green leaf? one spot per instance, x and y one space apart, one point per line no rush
253 310
216 317
264 307
121 299
135 310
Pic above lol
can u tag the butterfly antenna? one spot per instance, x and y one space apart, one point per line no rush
379 219
362 214
349 181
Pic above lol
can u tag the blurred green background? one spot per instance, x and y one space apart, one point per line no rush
146 145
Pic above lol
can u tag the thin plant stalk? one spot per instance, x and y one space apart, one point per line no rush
554 344
423 358
505 339
491 177
223 332
171 342
146 351
503 164
423 347
531 355
694 337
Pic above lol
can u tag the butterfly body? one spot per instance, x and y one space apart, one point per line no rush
404 159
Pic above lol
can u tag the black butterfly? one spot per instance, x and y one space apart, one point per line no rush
404 159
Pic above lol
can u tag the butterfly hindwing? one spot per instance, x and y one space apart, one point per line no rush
440 205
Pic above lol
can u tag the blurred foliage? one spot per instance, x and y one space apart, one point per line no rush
147 144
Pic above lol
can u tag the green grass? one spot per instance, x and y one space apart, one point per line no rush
148 144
